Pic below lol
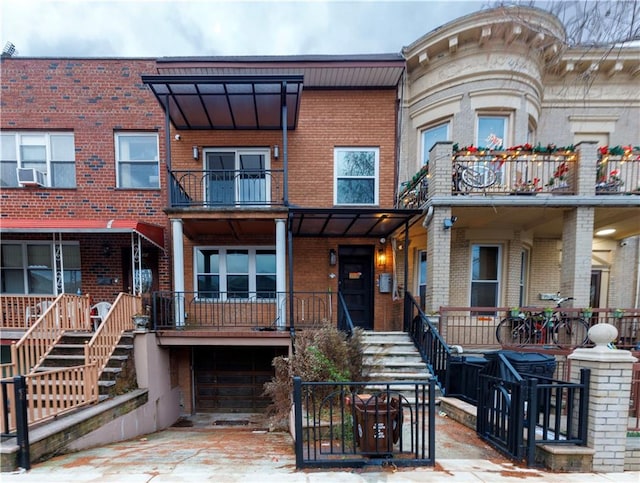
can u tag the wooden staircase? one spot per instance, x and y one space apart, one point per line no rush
392 357
116 378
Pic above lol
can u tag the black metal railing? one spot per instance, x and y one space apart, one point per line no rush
345 323
240 310
224 188
432 347
515 412
342 424
14 420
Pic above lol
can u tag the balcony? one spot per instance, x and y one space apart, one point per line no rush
226 311
528 173
227 188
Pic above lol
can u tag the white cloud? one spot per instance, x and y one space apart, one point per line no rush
189 28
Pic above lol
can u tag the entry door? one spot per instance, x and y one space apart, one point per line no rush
356 284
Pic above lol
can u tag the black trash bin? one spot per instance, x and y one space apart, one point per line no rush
378 423
526 364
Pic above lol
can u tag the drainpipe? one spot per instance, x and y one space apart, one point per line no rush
285 157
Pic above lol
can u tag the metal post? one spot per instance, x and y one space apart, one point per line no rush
532 418
583 414
297 408
22 422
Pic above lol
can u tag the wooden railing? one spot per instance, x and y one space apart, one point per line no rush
51 394
68 312
18 311
119 319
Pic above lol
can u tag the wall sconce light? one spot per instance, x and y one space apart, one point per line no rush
276 151
382 258
196 153
448 222
333 257
106 250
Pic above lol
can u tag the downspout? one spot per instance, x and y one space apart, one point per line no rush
167 144
285 161
637 302
290 257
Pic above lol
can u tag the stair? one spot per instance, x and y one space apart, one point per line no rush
116 378
392 356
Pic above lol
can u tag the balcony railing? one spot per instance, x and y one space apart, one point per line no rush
225 188
227 311
526 174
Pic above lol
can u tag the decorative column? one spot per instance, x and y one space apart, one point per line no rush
609 393
178 271
281 270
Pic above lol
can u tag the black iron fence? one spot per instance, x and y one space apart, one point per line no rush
518 411
14 415
347 425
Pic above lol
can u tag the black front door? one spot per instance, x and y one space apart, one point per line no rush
356 284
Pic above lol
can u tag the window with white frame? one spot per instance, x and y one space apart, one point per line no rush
432 135
137 160
45 158
237 176
524 276
356 176
422 276
492 131
28 268
485 271
235 273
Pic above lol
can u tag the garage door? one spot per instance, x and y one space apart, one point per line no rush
231 379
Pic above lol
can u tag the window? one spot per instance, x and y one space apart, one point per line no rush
356 176
235 273
524 276
492 131
237 176
422 277
432 135
137 160
485 269
52 154
28 268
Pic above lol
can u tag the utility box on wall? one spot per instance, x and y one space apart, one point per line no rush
384 283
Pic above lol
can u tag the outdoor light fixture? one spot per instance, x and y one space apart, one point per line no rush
605 232
448 222
382 258
276 151
196 154
333 257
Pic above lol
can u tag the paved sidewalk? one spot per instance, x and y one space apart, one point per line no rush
242 454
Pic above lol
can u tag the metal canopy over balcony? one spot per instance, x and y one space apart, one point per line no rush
206 102
348 222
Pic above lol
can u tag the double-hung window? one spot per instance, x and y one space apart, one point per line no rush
237 176
356 176
485 270
137 160
41 158
28 268
432 135
235 273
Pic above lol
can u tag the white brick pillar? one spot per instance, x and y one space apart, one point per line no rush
438 260
577 240
609 393
587 163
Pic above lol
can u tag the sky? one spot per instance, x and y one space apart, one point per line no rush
145 28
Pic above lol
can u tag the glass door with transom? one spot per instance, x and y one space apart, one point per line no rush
236 177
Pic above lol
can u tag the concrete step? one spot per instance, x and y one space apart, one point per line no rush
393 359
399 376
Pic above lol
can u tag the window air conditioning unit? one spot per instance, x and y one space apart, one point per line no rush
30 177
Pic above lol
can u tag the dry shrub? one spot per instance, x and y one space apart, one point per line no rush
324 354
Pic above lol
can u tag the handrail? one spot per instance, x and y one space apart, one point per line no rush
345 323
68 312
435 352
102 345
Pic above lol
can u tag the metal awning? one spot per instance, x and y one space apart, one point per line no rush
348 222
228 102
152 233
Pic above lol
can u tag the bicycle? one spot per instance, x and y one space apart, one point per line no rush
547 327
